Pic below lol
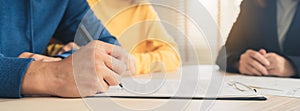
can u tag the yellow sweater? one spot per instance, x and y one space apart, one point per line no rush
140 32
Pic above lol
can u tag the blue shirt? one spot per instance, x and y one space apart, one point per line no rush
28 25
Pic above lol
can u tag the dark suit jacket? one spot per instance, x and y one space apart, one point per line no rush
256 28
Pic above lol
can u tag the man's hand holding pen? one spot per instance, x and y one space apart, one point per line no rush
90 70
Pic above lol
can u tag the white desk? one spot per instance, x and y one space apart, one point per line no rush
274 103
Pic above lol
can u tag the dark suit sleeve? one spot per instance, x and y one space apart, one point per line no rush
295 61
78 12
238 40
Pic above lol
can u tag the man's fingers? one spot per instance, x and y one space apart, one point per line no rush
103 86
25 55
251 61
44 58
262 51
271 67
50 59
38 57
119 54
73 46
260 58
123 56
111 78
254 64
247 70
106 78
253 71
272 60
111 62
244 70
113 50
114 64
64 49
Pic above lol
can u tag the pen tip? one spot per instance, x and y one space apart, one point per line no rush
121 85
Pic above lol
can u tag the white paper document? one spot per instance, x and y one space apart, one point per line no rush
189 85
174 88
270 85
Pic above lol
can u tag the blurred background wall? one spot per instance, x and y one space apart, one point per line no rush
193 39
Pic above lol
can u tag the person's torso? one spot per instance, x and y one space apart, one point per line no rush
136 25
264 31
28 25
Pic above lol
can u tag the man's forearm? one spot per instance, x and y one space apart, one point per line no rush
39 79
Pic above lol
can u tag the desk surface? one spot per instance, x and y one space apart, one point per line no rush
274 103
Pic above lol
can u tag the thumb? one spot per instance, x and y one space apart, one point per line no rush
262 51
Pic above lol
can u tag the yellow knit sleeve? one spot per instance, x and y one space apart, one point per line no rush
140 32
155 56
159 52
92 3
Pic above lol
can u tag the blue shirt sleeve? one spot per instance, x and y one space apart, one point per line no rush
79 12
12 71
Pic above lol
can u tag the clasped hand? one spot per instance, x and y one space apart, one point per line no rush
261 63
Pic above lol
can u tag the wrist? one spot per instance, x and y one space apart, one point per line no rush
290 68
40 78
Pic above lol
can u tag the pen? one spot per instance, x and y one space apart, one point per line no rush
121 85
88 36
